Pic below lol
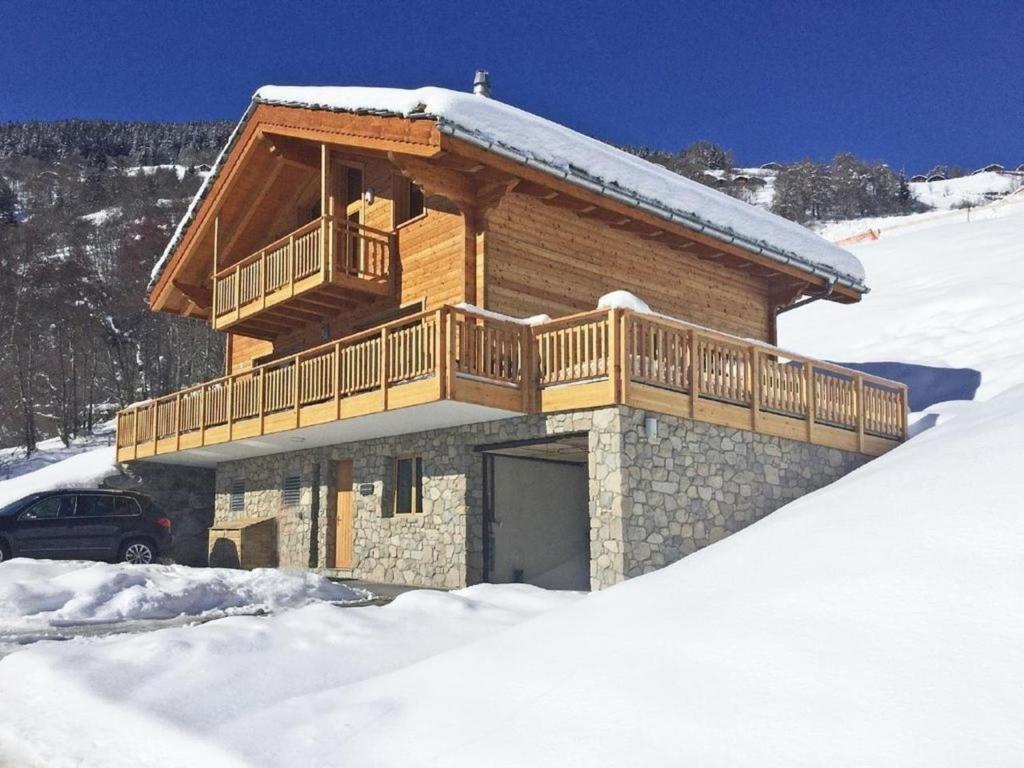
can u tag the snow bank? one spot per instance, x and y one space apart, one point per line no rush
49 593
188 689
569 154
81 470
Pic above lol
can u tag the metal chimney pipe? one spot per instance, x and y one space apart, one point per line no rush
482 83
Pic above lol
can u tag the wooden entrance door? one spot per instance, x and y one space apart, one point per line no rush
343 531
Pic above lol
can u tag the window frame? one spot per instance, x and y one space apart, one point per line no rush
401 204
416 486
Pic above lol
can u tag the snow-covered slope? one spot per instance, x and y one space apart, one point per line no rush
83 464
946 292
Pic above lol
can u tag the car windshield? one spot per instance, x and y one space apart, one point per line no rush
14 506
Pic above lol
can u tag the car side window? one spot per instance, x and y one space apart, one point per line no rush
95 505
49 508
125 506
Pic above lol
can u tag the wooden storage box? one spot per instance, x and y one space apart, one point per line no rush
247 542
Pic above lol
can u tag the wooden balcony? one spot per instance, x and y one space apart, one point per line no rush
322 267
589 360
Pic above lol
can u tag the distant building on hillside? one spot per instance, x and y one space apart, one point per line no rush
990 168
771 166
919 178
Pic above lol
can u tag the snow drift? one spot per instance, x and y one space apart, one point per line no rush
49 593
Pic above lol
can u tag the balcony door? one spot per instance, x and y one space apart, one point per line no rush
350 246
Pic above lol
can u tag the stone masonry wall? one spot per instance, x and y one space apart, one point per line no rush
183 494
653 499
695 483
443 546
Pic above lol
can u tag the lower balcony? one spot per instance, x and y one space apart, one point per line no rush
454 366
327 265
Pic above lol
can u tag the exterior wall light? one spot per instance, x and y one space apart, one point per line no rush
651 427
368 195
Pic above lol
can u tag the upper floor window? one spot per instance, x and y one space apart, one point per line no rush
409 201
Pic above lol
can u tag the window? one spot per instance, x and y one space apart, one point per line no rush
95 505
409 202
408 485
291 492
126 507
50 508
238 496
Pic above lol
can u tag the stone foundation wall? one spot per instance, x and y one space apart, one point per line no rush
443 546
694 483
652 499
183 494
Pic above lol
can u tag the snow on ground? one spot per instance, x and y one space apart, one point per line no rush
945 292
876 622
85 463
102 216
195 691
37 594
149 170
976 189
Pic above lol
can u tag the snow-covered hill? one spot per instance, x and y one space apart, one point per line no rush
877 622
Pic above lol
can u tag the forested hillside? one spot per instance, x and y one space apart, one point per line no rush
85 209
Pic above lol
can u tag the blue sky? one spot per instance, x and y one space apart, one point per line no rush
911 83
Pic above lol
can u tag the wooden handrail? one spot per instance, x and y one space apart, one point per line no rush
619 346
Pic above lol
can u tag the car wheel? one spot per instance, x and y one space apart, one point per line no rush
5 551
138 552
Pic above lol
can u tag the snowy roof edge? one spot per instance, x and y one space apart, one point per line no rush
571 174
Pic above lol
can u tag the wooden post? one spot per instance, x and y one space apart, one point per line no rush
615 366
262 397
336 379
694 373
450 367
296 370
755 388
441 353
202 415
291 264
904 413
384 367
810 385
216 269
626 353
859 384
527 369
155 408
135 428
326 210
177 421
230 400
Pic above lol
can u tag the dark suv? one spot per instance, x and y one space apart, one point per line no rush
84 524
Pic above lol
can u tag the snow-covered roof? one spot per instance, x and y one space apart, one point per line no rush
567 154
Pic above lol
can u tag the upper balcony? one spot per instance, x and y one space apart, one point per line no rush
324 266
453 366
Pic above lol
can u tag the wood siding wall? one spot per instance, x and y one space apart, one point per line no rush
543 259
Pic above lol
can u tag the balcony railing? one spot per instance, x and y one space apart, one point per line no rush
325 251
588 360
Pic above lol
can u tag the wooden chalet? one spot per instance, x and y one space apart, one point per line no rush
370 255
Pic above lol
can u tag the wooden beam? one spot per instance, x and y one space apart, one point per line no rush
250 211
200 295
